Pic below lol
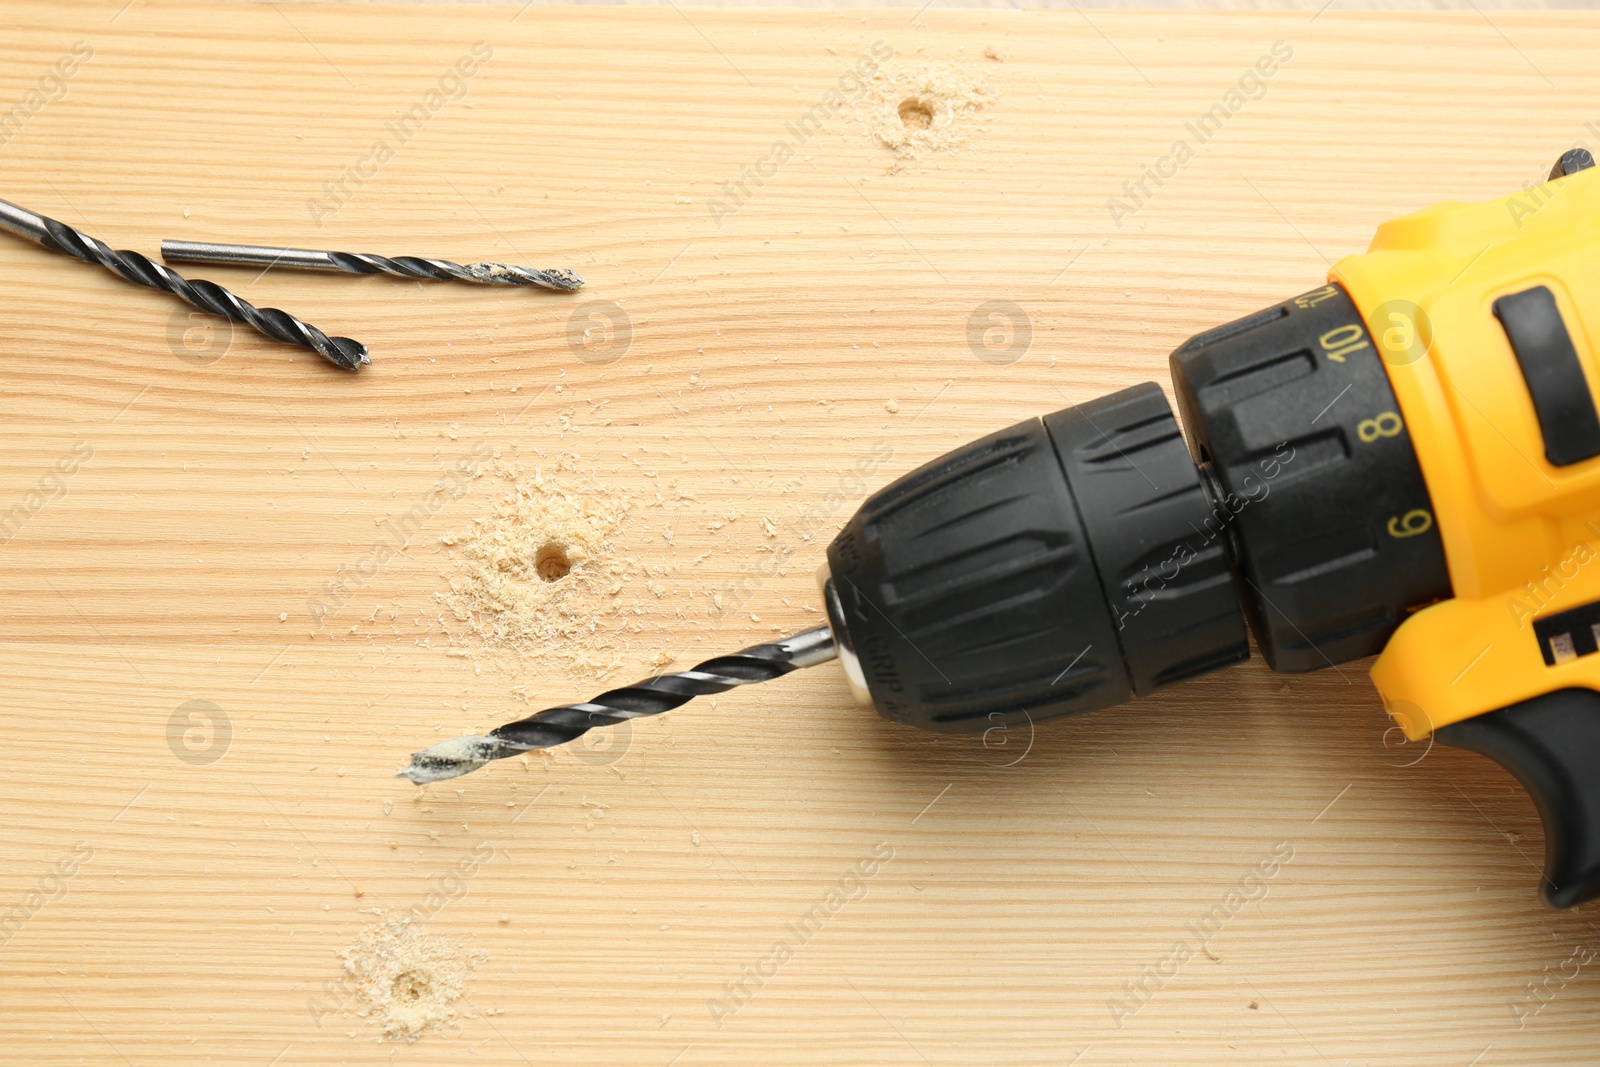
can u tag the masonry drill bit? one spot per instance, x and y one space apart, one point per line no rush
361 263
207 296
557 726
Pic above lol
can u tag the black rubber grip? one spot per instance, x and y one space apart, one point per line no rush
1552 745
1561 398
1160 550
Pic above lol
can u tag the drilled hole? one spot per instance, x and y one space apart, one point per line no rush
411 986
551 562
915 114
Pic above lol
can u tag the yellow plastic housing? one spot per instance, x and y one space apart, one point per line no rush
1521 536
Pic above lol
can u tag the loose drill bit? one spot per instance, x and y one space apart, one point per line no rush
360 263
207 296
557 726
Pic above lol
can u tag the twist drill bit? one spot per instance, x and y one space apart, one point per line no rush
207 296
361 263
557 726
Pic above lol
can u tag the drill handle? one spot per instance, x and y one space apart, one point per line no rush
1552 745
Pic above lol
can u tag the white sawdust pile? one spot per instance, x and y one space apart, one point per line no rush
407 980
915 109
539 577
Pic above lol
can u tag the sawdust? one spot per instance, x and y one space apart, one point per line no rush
915 109
540 575
407 979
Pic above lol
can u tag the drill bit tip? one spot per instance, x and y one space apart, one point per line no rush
559 278
450 759
349 353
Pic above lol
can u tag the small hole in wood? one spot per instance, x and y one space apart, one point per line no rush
551 562
411 986
915 114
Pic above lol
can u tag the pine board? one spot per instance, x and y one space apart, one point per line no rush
1022 900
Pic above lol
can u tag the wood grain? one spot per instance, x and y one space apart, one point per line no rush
1021 899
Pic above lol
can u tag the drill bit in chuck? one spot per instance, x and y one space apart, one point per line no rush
207 296
443 270
557 726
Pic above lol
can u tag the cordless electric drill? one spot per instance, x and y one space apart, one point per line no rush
1402 462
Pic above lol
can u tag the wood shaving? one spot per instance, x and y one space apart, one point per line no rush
407 979
917 109
503 605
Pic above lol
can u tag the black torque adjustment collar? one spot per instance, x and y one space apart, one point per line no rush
1334 534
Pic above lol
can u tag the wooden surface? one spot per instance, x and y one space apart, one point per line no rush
1022 899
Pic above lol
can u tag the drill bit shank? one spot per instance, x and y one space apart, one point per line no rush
207 296
442 270
557 726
